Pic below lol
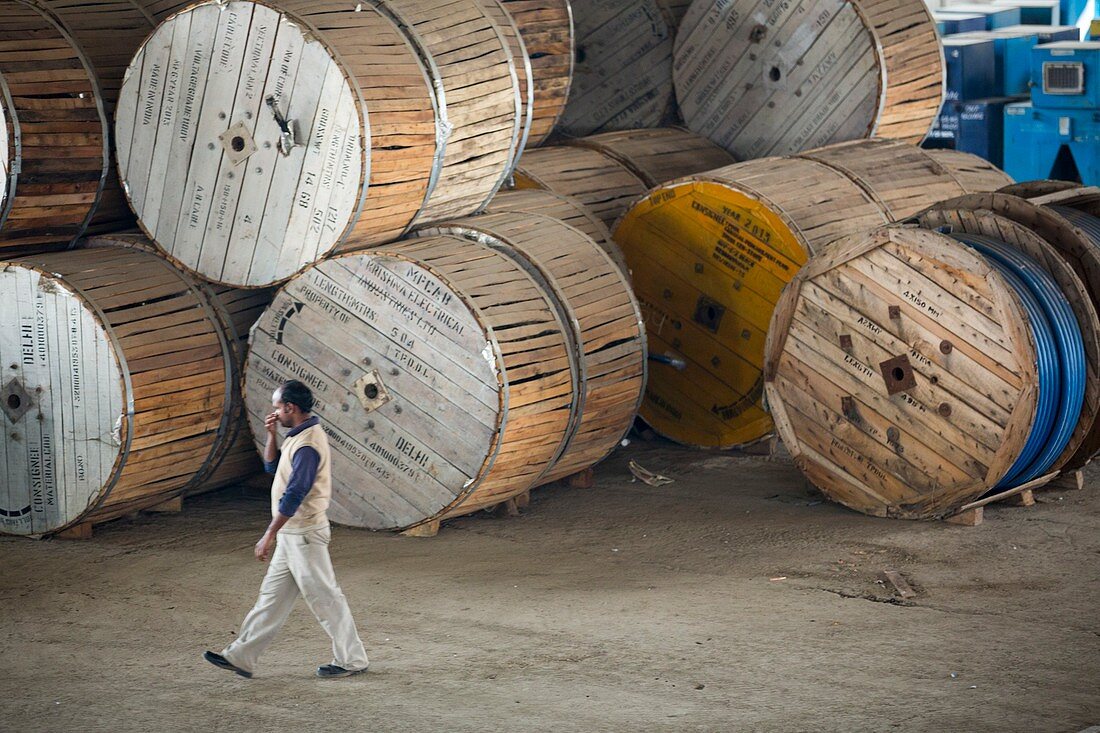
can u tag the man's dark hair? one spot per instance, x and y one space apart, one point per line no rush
296 393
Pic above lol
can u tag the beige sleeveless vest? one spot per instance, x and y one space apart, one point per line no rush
312 512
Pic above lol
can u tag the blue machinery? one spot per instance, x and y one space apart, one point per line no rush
1057 133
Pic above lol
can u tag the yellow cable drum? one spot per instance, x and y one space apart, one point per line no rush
709 256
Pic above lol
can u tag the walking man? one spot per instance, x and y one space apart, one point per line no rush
299 533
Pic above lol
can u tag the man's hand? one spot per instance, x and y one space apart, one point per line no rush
271 422
264 546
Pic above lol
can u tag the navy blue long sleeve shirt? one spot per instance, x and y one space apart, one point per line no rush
303 472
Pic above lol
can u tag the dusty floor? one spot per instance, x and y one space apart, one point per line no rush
621 608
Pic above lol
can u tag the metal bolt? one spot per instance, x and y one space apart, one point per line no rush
393 371
892 434
345 372
370 424
248 115
210 146
366 360
945 409
344 408
397 409
666 294
259 169
221 115
946 347
698 267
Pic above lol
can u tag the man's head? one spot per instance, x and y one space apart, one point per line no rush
293 403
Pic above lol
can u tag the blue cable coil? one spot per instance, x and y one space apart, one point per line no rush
1060 352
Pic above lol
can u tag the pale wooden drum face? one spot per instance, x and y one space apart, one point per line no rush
62 399
407 383
764 80
208 166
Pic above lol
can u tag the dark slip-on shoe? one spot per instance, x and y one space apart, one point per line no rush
219 661
329 671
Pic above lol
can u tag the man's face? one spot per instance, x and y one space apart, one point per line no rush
283 411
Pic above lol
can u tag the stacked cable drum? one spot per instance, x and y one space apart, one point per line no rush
594 300
235 311
563 208
761 81
1059 229
608 172
117 386
53 147
911 371
546 28
709 255
622 78
243 133
108 32
445 377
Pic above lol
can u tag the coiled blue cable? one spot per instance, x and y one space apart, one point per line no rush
1060 352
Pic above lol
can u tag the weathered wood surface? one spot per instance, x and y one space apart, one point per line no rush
400 110
761 81
597 304
658 155
1057 245
561 207
521 62
709 255
55 157
622 78
479 91
547 30
441 371
873 410
971 172
764 81
122 381
603 184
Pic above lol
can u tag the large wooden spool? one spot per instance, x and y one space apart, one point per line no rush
608 172
1066 253
108 32
444 375
427 113
622 78
596 302
901 373
117 386
762 80
658 155
54 155
709 256
521 61
235 310
546 27
563 208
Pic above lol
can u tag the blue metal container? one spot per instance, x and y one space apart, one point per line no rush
996 16
1037 12
971 68
1066 75
1052 143
948 24
1012 52
975 126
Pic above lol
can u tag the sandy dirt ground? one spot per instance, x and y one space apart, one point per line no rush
730 600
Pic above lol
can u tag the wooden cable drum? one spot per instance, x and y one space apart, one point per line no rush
761 80
970 171
563 208
55 148
521 60
235 310
622 78
596 302
901 373
255 120
603 184
108 32
710 254
1056 244
658 155
444 375
546 27
116 390
1034 189
966 215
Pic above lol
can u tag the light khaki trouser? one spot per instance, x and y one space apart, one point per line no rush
300 564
